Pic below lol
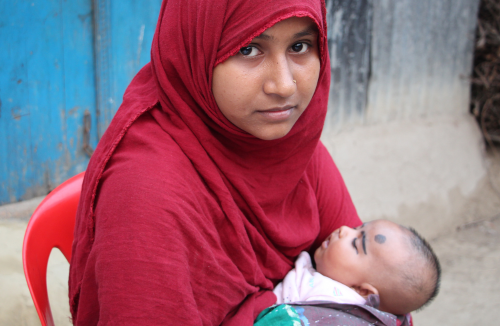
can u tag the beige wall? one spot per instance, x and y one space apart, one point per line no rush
431 174
398 125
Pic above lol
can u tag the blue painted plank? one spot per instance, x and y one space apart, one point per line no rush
124 35
49 80
46 83
79 79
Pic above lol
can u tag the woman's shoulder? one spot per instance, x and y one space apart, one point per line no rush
147 157
147 142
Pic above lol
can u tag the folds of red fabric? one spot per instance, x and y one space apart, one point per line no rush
184 218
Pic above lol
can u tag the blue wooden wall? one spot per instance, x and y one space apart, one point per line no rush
62 62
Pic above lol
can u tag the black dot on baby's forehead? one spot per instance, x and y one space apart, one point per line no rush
379 238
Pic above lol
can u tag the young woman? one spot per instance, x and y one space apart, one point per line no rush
211 178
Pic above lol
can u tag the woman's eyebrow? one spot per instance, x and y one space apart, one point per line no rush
264 37
311 30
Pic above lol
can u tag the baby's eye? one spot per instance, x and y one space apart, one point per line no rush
249 51
300 47
359 227
354 245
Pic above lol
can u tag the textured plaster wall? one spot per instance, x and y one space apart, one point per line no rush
421 57
398 123
424 173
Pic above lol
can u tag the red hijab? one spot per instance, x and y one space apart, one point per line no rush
183 216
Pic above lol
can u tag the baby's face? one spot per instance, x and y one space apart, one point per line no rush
352 256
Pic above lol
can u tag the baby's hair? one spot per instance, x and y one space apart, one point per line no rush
424 249
415 278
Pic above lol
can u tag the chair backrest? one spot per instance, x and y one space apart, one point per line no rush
51 225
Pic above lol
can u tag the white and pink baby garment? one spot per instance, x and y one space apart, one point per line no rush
304 283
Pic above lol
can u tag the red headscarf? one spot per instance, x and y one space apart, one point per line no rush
183 216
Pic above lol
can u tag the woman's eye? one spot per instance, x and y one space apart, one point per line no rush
300 47
249 51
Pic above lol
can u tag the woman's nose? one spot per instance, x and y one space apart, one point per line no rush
280 78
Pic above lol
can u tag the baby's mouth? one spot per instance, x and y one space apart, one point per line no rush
326 242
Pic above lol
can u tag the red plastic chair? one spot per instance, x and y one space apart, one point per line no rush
51 225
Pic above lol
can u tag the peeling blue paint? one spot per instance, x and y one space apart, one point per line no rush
48 80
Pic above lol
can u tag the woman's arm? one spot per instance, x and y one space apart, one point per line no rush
156 256
137 272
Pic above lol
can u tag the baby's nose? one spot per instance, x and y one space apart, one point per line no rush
344 231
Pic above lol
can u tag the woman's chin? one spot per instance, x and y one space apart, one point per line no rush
271 133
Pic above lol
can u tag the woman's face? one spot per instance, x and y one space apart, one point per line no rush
268 84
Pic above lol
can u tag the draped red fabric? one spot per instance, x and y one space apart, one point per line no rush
184 218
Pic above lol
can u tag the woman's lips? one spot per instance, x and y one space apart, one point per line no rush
277 114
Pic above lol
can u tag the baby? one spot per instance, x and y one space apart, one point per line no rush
380 260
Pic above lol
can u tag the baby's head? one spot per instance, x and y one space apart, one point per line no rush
383 258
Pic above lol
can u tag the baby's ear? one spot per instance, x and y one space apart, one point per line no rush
365 289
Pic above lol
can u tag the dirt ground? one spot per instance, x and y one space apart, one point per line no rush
470 287
470 291
16 305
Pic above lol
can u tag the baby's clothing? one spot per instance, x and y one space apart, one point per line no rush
304 283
